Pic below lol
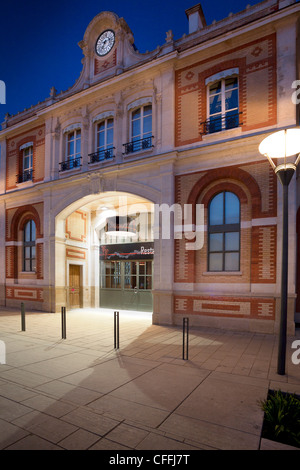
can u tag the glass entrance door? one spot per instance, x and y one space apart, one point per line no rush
126 284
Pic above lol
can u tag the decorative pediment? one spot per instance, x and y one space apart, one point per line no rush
108 49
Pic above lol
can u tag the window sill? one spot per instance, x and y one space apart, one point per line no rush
224 134
101 162
70 171
27 276
222 273
138 153
25 184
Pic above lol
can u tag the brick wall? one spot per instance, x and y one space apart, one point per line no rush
16 219
14 163
101 65
225 306
257 84
256 187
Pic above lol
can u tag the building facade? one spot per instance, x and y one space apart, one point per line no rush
89 176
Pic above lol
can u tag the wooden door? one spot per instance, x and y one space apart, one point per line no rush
74 286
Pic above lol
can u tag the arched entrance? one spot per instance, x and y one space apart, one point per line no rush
104 251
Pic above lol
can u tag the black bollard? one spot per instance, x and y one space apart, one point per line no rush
23 316
63 323
116 330
185 339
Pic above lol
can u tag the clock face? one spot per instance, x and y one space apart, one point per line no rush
105 42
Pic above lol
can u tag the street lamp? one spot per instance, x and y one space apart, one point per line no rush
283 146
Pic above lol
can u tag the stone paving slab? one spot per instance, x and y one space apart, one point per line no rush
222 402
10 434
62 390
164 387
80 393
205 433
33 442
122 409
90 420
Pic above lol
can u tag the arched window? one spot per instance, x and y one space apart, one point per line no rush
224 232
29 237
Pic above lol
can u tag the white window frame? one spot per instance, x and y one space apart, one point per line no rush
76 137
26 171
105 131
141 118
28 149
222 114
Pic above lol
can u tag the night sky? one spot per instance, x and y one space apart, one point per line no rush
39 39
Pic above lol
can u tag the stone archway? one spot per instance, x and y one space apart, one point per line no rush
77 230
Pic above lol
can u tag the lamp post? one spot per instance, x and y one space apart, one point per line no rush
282 146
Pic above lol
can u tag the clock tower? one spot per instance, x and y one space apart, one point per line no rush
108 49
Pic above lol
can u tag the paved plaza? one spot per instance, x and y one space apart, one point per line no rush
81 393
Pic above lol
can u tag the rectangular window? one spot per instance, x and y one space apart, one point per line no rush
126 275
141 123
223 105
27 159
145 275
104 141
72 157
73 144
111 278
140 130
105 134
130 274
26 170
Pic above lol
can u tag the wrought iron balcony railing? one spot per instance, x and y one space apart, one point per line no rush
102 155
137 145
70 163
26 175
221 123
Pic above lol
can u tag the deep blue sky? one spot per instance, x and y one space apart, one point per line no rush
39 39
